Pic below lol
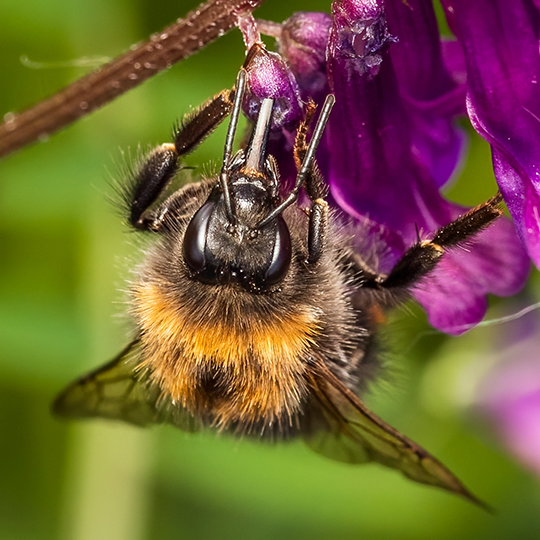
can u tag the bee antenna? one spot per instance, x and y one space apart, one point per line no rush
239 95
306 163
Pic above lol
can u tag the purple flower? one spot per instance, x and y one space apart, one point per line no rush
302 40
392 142
500 43
431 95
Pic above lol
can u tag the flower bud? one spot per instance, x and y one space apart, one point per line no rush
270 77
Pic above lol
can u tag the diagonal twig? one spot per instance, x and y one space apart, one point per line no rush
187 36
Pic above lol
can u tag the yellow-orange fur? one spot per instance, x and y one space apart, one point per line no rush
260 360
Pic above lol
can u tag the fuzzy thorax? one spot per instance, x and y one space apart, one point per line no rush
243 370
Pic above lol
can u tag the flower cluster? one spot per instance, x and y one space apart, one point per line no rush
393 142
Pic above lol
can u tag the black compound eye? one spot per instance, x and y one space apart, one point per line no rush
281 256
195 238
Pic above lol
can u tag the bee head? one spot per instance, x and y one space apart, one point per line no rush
229 238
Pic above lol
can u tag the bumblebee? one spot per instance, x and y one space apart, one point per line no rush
256 316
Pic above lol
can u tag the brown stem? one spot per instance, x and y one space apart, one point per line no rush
187 36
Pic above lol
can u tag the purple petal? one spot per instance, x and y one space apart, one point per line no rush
379 246
454 295
531 221
376 166
431 94
371 168
524 199
500 42
439 143
417 56
360 32
454 60
303 41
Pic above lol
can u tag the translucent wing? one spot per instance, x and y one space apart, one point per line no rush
350 432
120 391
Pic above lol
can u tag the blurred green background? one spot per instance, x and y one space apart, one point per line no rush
65 257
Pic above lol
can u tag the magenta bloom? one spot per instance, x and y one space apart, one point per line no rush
500 43
392 142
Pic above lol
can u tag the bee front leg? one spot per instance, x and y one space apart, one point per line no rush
318 225
160 166
316 190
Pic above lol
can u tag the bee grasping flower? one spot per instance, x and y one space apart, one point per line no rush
257 310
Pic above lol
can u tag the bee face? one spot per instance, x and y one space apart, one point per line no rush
218 251
254 315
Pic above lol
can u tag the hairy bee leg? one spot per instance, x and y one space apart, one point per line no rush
300 140
318 225
178 206
423 256
152 177
161 164
316 190
196 126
